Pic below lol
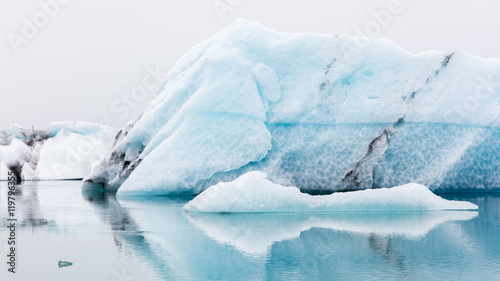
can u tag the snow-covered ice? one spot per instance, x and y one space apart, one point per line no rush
65 150
70 155
317 112
253 192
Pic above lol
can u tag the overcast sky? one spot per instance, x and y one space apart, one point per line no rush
83 56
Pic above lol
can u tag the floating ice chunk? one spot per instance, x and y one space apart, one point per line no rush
253 192
66 150
64 264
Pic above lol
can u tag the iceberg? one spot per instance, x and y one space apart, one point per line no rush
64 264
253 192
13 158
65 150
319 112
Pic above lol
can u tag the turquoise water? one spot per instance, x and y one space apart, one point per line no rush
153 239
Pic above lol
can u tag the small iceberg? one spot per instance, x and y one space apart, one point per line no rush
64 264
253 192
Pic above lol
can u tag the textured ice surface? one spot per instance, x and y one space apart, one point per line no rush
65 150
253 192
314 111
444 157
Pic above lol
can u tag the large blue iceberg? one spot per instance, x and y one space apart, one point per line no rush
323 113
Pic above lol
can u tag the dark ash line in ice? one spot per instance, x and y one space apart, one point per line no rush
361 176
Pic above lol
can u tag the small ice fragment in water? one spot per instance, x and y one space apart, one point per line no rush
65 264
253 192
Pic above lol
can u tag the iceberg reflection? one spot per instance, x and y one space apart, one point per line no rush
307 246
127 232
255 233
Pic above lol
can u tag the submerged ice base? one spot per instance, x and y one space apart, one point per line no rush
253 192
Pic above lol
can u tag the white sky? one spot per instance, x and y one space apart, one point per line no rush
90 53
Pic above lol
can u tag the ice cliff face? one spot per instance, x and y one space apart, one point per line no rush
322 113
64 150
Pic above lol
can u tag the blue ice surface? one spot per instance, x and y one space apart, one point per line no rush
444 157
315 111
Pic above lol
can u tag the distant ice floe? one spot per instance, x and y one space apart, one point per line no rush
253 192
65 150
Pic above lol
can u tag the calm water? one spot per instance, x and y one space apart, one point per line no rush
153 239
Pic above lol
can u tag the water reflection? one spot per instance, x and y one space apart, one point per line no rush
28 209
102 234
382 246
189 253
322 246
198 246
255 233
112 213
126 233
55 223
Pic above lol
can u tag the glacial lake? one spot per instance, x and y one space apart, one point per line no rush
152 238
